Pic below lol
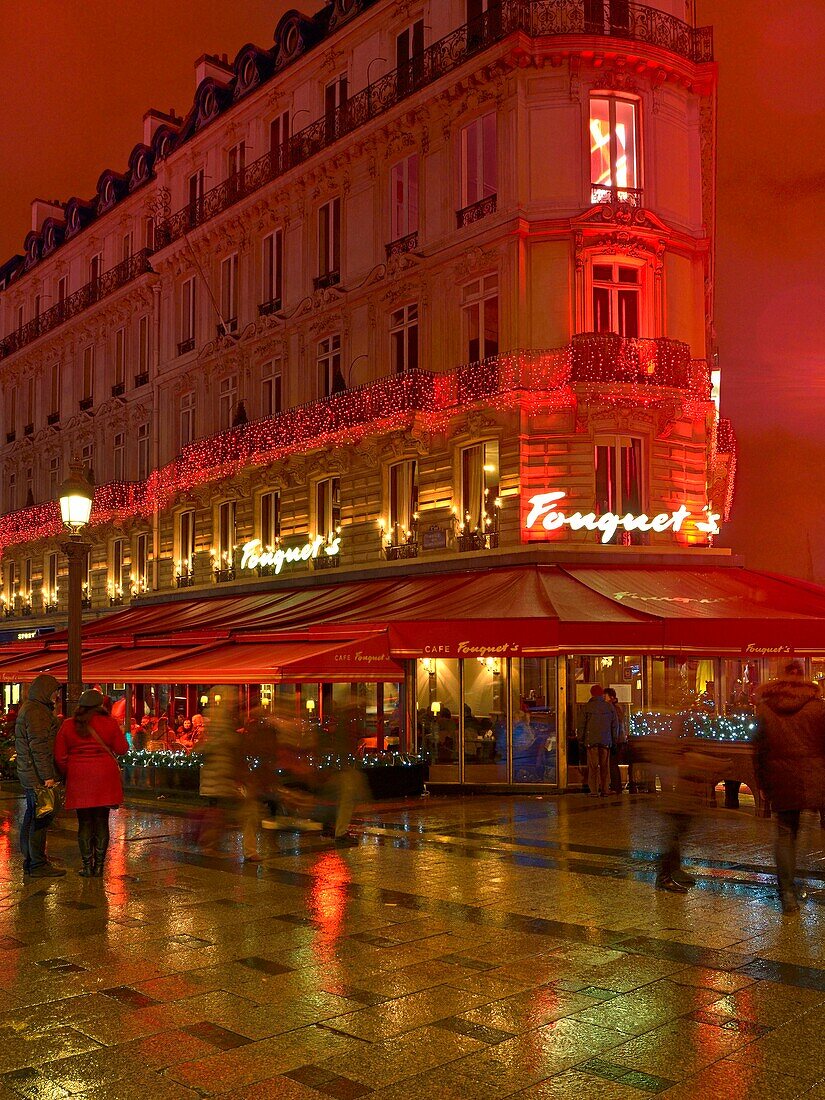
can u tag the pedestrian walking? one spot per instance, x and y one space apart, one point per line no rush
224 777
34 732
617 749
790 764
86 751
599 730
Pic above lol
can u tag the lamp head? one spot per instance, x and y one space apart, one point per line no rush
76 495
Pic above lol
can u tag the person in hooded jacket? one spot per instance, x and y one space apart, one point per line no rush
790 763
34 733
86 751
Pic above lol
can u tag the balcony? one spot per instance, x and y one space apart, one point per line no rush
328 279
326 561
118 389
402 551
186 345
53 419
476 211
471 541
223 574
616 196
184 580
142 379
598 358
28 431
266 309
534 18
403 245
227 327
77 303
85 404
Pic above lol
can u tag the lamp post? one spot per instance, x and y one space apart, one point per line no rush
76 494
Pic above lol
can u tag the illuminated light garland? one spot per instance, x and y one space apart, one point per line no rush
176 758
730 729
596 369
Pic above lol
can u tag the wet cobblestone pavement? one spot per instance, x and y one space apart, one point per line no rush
483 947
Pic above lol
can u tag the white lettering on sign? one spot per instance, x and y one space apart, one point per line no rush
254 554
465 649
544 508
769 650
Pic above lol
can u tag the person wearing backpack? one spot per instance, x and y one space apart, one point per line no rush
86 752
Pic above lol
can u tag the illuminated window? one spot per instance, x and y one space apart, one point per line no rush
619 481
271 388
140 568
187 418
614 163
479 484
330 378
480 316
616 299
225 544
404 198
328 508
404 338
229 292
116 563
270 518
50 595
329 238
186 541
227 401
273 269
479 173
403 501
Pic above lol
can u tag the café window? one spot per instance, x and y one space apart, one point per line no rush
186 542
480 318
614 149
404 338
229 293
271 388
619 487
479 486
273 268
269 530
479 173
328 508
617 299
404 198
330 378
225 546
187 418
403 501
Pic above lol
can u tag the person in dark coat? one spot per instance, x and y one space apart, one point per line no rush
790 763
599 730
34 734
85 751
619 741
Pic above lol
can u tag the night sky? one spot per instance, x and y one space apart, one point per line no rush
79 77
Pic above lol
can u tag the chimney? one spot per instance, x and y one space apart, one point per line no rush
216 67
154 119
45 208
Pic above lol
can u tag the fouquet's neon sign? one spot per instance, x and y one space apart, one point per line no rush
255 556
544 510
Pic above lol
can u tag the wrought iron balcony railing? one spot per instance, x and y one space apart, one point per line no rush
88 295
328 279
265 309
402 245
476 211
186 345
616 196
536 18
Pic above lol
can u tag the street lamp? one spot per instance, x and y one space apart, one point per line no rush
76 494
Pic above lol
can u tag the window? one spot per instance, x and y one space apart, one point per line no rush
619 481
606 16
273 269
188 315
479 485
29 419
229 292
186 542
88 373
335 98
12 580
29 486
126 247
614 171
119 457
87 459
195 187
227 401
403 501
21 316
140 567
50 591
480 312
478 160
11 411
481 12
143 451
330 378
27 580
37 301
149 233
187 419
226 534
143 347
329 238
62 289
95 267
271 388
120 357
409 56
54 404
236 160
270 513
404 338
116 568
279 134
404 198
328 508
11 497
54 476
616 299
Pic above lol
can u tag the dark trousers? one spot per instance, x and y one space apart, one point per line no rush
33 833
93 832
675 827
787 830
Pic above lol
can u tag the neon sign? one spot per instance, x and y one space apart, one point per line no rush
608 523
255 556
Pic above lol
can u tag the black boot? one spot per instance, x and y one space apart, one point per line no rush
86 855
99 860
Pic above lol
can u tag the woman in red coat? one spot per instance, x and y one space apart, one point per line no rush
86 751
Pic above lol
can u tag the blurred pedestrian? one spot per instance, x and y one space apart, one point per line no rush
34 734
348 787
224 777
599 729
617 749
790 763
86 751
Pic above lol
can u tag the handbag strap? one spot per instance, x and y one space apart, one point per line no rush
102 744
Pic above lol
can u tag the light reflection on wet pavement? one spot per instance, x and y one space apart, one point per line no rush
477 947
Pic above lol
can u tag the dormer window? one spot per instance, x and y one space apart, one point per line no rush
249 72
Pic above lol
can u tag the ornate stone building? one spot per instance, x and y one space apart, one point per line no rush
425 285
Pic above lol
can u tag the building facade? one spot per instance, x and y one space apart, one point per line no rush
421 283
